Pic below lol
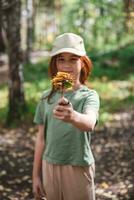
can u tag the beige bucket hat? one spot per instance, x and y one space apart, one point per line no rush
70 43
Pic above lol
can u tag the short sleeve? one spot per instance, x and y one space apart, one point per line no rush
92 102
38 118
40 113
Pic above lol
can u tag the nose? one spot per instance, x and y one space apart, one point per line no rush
65 65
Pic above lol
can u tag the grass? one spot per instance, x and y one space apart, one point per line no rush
112 77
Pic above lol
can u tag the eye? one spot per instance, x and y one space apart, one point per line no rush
74 59
60 59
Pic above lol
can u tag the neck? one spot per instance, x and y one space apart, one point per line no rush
77 85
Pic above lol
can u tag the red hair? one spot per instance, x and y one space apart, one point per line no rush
85 71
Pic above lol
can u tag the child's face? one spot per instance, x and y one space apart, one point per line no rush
70 63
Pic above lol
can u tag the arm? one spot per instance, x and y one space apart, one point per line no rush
39 148
83 121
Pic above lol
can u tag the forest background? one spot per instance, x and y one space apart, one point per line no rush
27 31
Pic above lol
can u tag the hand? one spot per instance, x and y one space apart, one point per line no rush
64 110
37 188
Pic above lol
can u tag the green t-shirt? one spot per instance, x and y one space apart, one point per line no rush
64 143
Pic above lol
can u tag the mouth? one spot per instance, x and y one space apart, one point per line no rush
70 72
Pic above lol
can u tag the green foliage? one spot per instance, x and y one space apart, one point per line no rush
113 78
126 55
115 64
36 72
100 23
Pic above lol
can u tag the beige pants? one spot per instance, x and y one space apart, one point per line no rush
66 182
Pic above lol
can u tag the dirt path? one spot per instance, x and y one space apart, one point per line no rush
114 153
113 147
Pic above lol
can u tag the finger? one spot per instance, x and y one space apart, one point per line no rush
59 114
37 196
37 193
41 190
62 108
66 103
63 101
58 111
59 108
62 115
59 117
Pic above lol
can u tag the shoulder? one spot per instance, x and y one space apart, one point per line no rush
93 93
92 100
89 92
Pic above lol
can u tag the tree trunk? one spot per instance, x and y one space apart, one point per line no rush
57 13
2 46
84 17
11 12
31 13
129 17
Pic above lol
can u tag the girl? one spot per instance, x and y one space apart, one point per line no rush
63 166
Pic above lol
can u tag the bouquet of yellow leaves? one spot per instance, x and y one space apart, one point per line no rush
62 81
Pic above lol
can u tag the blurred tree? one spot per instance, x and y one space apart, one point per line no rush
57 14
48 21
48 3
31 14
101 23
2 46
11 12
129 15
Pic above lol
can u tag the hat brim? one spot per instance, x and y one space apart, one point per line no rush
68 50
